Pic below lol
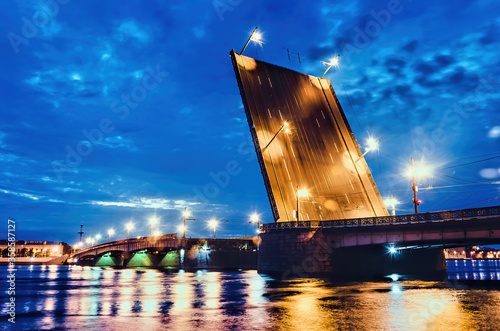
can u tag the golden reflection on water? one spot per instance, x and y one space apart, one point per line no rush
140 299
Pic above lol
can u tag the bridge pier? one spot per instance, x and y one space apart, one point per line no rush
306 252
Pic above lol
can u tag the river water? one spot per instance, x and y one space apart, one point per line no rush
94 298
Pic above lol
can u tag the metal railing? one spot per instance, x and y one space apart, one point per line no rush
441 216
171 236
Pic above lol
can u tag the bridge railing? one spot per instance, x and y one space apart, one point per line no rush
125 242
392 220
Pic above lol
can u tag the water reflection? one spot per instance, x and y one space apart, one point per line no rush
473 269
137 299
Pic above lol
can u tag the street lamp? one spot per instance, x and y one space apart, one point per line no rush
300 193
392 203
98 237
256 37
285 127
421 171
153 221
182 228
110 233
372 144
333 62
213 224
255 219
130 226
88 241
186 215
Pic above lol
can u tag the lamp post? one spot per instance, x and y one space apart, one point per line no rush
253 37
186 215
130 226
283 127
372 144
213 224
98 237
300 193
422 171
152 221
255 219
414 186
330 64
392 202
110 233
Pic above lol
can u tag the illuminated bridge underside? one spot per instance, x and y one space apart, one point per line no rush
320 154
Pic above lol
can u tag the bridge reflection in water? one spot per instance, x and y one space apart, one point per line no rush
93 298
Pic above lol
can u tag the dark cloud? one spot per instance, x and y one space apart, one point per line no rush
424 68
411 46
444 60
394 66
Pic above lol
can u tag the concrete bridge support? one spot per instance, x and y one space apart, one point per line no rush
294 253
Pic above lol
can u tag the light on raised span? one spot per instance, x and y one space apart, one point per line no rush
257 37
372 143
334 61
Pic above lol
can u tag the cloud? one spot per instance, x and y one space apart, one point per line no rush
411 46
21 194
148 203
494 132
130 29
118 142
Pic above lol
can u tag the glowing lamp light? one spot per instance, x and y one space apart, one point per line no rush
153 220
181 228
372 143
254 218
420 171
302 193
97 237
286 127
157 233
130 226
394 277
334 61
257 37
213 223
393 250
391 202
186 213
111 232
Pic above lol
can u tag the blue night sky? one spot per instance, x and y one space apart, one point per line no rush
115 111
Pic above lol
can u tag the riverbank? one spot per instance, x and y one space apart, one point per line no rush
50 260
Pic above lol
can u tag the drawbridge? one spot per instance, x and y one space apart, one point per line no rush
304 144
